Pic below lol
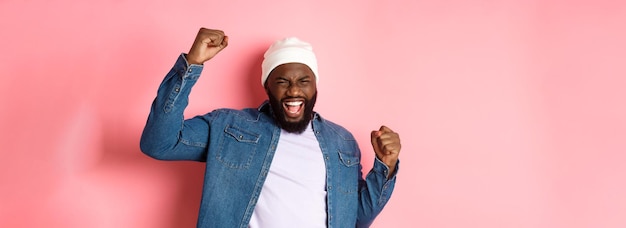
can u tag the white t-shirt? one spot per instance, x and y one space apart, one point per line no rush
294 193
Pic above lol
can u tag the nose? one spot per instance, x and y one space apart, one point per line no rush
294 90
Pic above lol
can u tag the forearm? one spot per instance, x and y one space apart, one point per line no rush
375 192
165 123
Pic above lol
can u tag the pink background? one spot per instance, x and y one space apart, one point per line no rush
511 113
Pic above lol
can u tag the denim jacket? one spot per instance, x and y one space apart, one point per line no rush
238 147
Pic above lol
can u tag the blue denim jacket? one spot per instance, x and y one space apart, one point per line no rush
238 147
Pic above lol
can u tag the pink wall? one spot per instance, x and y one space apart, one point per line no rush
512 113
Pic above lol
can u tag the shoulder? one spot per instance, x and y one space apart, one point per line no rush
246 113
336 129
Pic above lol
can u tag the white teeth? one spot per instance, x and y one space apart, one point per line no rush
294 103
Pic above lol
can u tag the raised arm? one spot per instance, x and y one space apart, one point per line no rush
167 136
375 191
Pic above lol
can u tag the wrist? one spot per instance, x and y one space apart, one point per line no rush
192 60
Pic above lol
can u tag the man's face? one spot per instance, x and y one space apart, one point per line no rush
292 91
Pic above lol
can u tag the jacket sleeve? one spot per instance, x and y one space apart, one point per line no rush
166 135
374 192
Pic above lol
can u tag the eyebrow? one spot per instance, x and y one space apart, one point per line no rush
298 78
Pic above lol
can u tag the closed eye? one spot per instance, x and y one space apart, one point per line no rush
305 79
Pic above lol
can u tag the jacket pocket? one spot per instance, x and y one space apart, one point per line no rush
349 171
348 159
237 147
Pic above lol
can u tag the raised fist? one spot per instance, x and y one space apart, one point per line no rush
386 144
207 44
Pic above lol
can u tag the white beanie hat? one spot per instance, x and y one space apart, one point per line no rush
288 50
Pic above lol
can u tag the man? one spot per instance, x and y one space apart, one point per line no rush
280 165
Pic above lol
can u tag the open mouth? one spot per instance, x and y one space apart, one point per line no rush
293 109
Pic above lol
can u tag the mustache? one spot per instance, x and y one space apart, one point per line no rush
287 98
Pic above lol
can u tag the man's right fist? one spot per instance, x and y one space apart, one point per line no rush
207 44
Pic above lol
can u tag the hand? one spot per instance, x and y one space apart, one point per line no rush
207 44
386 144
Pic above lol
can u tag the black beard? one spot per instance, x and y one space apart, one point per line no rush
292 127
